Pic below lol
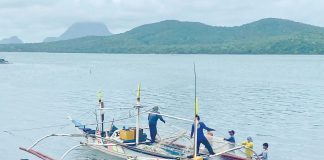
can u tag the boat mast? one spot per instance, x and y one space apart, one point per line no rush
102 113
137 108
196 110
101 109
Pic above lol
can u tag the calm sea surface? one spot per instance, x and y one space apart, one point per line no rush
276 99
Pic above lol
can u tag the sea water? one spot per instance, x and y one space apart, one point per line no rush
278 99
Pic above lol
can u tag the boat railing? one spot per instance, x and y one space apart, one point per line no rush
43 156
54 135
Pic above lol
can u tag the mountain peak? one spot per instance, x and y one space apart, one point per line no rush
276 26
11 40
82 29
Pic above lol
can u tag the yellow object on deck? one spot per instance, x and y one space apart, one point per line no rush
127 134
198 158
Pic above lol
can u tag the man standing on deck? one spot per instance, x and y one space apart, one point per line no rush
153 118
201 137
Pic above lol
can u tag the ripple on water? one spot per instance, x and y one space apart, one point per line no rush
260 96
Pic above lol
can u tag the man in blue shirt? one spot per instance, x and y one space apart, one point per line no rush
231 138
201 137
153 118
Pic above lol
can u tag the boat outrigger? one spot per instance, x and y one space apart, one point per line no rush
132 143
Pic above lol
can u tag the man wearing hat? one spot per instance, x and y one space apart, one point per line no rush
248 144
201 137
153 118
231 138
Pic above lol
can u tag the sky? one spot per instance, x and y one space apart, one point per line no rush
33 20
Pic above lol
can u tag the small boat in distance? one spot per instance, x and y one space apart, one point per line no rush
3 61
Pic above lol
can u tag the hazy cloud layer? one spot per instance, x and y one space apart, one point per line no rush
33 20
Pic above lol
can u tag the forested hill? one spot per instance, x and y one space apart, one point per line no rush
266 36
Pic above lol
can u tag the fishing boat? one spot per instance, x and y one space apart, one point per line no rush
132 143
3 61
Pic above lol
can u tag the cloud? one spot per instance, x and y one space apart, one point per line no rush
33 20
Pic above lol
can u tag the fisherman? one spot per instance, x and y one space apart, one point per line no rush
264 154
231 138
153 118
248 144
201 137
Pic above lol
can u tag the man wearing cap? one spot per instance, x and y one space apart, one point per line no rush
201 137
153 118
231 138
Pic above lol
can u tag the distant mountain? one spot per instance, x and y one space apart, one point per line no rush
266 36
82 29
11 40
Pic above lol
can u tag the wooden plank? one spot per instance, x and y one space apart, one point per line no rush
37 154
232 157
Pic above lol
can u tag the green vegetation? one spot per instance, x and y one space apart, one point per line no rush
266 36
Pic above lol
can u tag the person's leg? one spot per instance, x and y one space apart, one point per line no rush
208 146
198 146
153 132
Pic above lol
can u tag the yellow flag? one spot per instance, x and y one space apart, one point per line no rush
139 91
100 94
197 107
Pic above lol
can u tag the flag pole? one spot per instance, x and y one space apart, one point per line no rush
138 107
196 110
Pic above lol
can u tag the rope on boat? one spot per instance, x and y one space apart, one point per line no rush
115 120
36 128
64 125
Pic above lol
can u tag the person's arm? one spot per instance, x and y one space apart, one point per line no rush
205 127
161 118
228 139
260 155
192 131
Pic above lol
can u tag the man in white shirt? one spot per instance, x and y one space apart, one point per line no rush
264 154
